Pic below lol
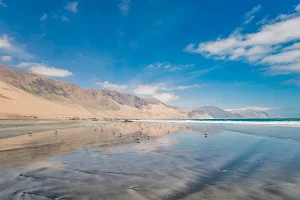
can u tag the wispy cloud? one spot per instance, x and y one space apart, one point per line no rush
43 17
6 58
198 73
72 6
258 108
263 21
249 16
295 82
8 46
112 86
63 18
167 66
297 8
152 89
44 70
120 31
2 4
124 7
270 46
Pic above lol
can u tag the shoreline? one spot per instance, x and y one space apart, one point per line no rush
13 128
124 157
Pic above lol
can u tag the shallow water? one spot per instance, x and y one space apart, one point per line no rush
228 164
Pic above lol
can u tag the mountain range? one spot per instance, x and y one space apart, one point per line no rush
28 95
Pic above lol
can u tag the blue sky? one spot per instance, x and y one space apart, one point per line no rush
231 54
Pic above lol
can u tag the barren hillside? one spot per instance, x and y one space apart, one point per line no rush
25 94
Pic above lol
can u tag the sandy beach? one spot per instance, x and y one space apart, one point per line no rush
66 137
142 160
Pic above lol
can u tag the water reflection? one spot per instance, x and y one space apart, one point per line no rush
30 147
181 165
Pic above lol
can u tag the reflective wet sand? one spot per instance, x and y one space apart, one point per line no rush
167 162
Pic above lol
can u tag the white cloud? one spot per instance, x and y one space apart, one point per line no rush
26 64
3 4
42 69
43 17
167 66
146 89
6 58
124 7
5 42
258 108
63 18
283 57
153 89
112 86
50 71
249 16
157 91
275 70
293 47
270 46
72 6
8 46
166 97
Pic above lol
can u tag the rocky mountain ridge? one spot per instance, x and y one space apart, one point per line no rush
57 99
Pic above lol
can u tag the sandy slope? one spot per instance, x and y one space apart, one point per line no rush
16 103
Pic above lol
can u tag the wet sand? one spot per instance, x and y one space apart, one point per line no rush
28 147
168 161
12 128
